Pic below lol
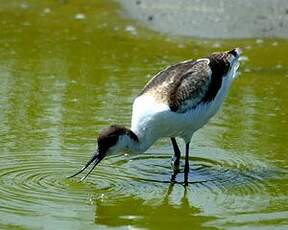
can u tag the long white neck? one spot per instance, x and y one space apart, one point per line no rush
128 143
145 140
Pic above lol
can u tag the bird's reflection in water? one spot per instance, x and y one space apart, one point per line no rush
136 212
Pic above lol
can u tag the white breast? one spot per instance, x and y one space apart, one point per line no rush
146 114
152 119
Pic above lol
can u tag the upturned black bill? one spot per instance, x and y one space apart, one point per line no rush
96 158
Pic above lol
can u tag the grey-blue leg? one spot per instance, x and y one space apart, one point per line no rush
186 167
176 158
175 161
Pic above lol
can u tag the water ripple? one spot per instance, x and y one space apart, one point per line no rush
31 182
150 173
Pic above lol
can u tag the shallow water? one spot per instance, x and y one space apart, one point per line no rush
69 68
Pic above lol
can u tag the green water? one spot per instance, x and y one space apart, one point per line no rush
69 68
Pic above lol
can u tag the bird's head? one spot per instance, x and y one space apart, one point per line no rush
114 138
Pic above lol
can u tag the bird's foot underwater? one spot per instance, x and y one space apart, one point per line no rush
175 164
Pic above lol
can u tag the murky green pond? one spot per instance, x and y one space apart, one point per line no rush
69 68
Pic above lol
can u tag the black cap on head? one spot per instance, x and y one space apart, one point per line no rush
110 135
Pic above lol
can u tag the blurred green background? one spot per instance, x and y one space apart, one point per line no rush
69 68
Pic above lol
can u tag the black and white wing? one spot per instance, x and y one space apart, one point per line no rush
190 88
184 85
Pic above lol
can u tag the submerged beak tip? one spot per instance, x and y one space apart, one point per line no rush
96 158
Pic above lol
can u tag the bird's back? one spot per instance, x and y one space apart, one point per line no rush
188 88
186 81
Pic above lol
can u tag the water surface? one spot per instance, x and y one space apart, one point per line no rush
70 68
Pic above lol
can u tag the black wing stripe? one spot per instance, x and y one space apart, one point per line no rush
184 85
171 73
191 87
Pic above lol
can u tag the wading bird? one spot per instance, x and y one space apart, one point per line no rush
176 102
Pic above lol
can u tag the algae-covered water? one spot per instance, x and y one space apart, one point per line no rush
69 68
